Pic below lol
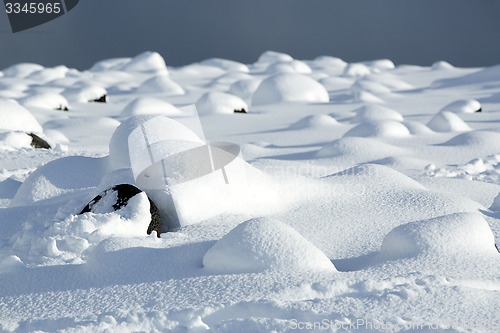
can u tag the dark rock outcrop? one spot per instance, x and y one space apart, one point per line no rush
38 142
123 194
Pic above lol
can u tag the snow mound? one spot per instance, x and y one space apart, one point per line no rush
119 157
294 66
496 204
21 70
375 113
417 128
475 138
14 140
59 179
356 70
380 128
380 65
317 121
265 244
109 64
227 65
161 84
456 234
445 121
244 89
328 61
14 117
361 87
442 65
85 94
389 81
148 105
218 102
359 147
48 74
336 83
282 88
50 101
272 56
146 62
463 106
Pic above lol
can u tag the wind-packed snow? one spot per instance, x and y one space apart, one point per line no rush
349 197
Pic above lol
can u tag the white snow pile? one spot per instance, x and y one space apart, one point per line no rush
14 117
315 122
373 112
146 62
218 102
148 105
265 244
380 128
463 106
445 121
51 101
459 234
161 84
84 94
284 88
496 204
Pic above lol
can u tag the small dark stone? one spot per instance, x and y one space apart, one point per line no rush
124 192
38 142
62 108
480 110
496 247
102 99
240 111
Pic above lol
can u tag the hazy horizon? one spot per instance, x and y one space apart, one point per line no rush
462 32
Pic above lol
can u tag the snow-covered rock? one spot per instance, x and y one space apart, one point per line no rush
51 101
265 244
374 113
456 234
356 70
218 102
273 56
148 105
227 65
86 94
319 121
161 84
146 62
15 117
445 121
496 204
463 106
21 70
294 66
284 88
380 128
442 65
244 89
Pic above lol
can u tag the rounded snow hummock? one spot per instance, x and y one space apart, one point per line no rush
356 70
219 102
148 105
294 66
161 84
86 94
282 88
50 101
227 65
146 62
374 113
496 204
316 121
117 197
22 70
265 244
14 117
463 106
273 56
445 121
456 234
442 65
381 128
244 89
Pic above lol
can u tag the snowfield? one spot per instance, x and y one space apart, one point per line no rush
362 197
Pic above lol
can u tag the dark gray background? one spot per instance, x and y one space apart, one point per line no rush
463 32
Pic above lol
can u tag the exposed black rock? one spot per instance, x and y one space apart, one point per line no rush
479 110
123 193
240 111
62 108
102 99
496 246
38 142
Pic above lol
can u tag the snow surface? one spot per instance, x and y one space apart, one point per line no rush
367 198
